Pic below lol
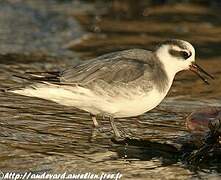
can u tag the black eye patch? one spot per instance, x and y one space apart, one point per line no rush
180 54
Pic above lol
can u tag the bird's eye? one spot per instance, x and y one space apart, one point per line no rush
185 54
180 54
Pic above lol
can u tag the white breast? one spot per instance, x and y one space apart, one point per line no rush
138 104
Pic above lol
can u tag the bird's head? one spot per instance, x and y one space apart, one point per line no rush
178 55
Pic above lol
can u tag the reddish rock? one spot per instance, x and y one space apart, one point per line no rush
198 122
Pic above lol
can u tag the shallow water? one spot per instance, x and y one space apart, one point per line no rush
38 135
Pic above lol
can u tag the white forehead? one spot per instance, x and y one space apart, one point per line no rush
181 45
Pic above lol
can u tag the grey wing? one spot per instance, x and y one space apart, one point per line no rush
119 69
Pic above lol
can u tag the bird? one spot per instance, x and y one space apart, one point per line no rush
120 84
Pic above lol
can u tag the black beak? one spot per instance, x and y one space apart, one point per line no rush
200 72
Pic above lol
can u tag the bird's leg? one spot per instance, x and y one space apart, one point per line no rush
116 132
94 128
95 123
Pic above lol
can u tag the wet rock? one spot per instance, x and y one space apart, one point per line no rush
205 126
198 121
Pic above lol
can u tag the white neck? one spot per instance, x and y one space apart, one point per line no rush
169 67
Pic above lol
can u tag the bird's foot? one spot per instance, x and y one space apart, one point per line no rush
106 132
101 132
122 136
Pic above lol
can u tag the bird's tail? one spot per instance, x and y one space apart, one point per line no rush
33 78
50 76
